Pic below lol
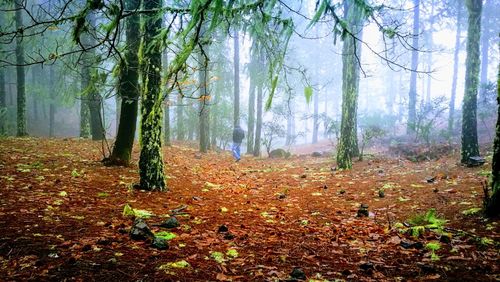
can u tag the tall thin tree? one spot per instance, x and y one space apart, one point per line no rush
21 87
151 160
236 61
412 95
456 51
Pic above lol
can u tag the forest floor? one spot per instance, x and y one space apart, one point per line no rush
62 218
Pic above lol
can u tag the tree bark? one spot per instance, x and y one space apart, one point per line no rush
492 207
412 95
470 146
315 119
52 106
166 119
21 87
3 92
258 125
204 100
451 117
181 134
151 159
128 91
251 105
351 54
485 44
236 115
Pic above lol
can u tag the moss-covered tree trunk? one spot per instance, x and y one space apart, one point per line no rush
412 95
3 92
470 146
236 61
493 205
151 160
128 90
204 104
351 54
451 117
21 87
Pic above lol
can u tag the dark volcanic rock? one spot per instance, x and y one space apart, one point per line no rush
298 273
160 243
140 230
170 222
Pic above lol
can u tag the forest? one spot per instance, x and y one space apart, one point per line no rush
249 140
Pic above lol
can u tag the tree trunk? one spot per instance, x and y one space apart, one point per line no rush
412 95
351 54
451 118
166 119
3 92
128 91
470 146
493 204
315 119
151 160
236 116
21 87
485 40
251 106
181 135
258 125
204 113
430 42
52 106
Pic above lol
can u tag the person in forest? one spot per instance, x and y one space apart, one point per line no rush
238 136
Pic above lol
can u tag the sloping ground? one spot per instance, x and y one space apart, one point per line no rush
61 218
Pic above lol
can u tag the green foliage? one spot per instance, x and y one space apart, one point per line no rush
429 220
129 211
308 93
165 235
433 247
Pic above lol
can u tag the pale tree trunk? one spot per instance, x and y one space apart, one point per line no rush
430 42
315 118
52 105
236 115
470 146
485 40
412 95
204 110
251 106
451 117
260 86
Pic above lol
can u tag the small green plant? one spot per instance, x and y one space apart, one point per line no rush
429 220
433 247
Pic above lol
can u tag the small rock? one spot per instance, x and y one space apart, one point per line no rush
298 273
363 211
426 267
381 193
223 229
103 241
86 248
317 154
229 236
445 238
160 243
140 230
112 260
366 266
170 222
303 176
410 245
325 186
430 179
281 196
342 192
346 272
435 190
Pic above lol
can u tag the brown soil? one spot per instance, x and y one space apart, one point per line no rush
61 217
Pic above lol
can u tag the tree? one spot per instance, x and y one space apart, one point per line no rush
251 105
451 118
52 104
21 87
3 93
492 205
166 122
470 146
204 99
260 90
351 54
485 44
128 90
412 95
151 160
236 78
